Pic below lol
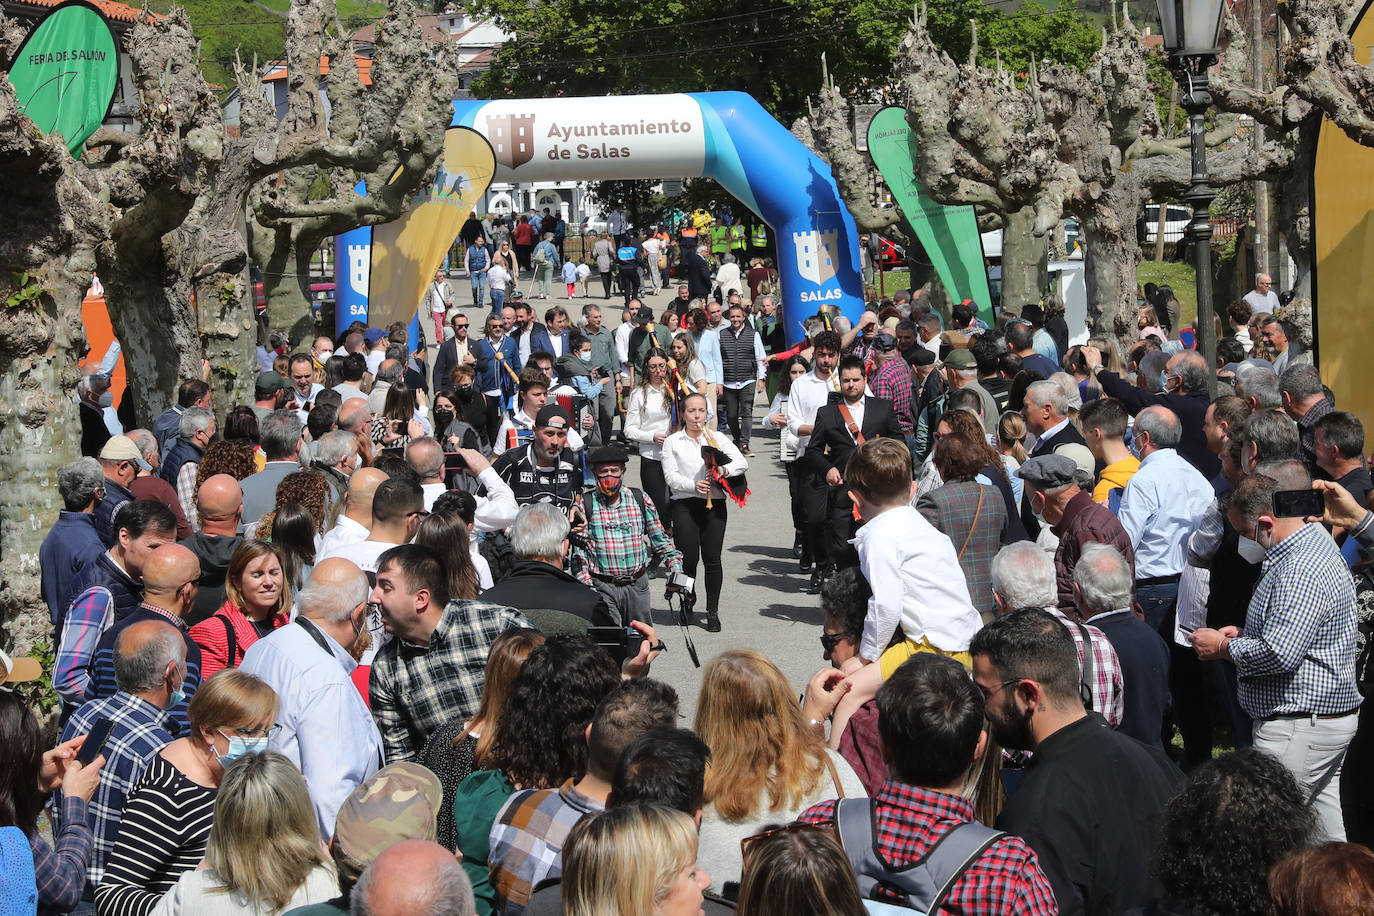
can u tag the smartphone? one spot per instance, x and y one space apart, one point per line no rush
1298 503
454 461
95 741
1189 630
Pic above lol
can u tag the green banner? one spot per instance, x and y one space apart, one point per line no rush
948 234
66 72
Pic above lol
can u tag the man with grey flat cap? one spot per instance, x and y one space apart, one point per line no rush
1075 519
623 538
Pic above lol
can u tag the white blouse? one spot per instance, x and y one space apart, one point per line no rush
646 417
683 465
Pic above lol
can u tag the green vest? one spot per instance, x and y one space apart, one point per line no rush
720 239
760 236
737 237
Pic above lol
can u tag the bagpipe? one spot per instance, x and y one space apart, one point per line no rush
736 487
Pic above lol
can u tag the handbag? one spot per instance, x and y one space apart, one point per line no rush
662 261
974 524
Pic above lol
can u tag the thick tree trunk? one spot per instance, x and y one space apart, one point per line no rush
285 279
1024 260
1111 256
1295 221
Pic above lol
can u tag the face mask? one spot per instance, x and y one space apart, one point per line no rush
585 356
443 417
1250 551
464 392
1163 381
609 486
178 696
324 355
357 461
106 399
238 746
1135 449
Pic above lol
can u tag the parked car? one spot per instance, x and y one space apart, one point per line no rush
594 226
1176 219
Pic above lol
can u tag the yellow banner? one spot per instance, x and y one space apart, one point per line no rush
1343 254
406 252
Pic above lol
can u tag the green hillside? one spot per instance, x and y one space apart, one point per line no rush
250 27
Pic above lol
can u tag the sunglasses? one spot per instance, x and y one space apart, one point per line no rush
830 640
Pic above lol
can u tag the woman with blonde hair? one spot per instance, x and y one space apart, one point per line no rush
461 746
768 764
166 822
257 598
1011 445
264 855
638 860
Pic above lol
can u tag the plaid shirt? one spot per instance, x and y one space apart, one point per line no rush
1107 683
90 616
527 840
140 730
416 689
186 491
1307 431
1298 651
893 381
60 874
621 541
1006 879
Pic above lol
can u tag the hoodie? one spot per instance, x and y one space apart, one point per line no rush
214 552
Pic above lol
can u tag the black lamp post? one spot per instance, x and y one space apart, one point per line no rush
1192 33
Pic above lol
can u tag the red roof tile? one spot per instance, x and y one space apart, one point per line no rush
120 12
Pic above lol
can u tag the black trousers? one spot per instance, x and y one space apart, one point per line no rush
829 522
739 413
606 277
700 533
629 284
794 485
651 476
493 417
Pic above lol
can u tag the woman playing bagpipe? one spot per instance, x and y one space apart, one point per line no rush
702 471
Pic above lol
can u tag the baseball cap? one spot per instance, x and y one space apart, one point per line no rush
122 448
400 802
550 415
19 670
960 359
269 382
372 335
1048 472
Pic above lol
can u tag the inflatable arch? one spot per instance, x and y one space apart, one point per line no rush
727 136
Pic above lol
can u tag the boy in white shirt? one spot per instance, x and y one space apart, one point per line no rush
584 270
913 569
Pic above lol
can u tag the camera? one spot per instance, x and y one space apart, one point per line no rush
678 582
621 642
833 397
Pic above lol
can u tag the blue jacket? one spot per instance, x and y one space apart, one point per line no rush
550 253
167 427
708 351
70 546
115 496
490 375
541 339
182 452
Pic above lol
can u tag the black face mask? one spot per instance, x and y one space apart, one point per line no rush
464 392
443 417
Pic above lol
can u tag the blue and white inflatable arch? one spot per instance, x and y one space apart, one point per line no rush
722 135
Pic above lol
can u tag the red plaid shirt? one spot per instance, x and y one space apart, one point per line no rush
893 381
1006 879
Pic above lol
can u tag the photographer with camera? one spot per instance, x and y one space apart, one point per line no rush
621 538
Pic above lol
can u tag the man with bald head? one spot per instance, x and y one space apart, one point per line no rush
150 673
355 416
325 727
426 458
355 522
414 878
170 581
219 508
1184 393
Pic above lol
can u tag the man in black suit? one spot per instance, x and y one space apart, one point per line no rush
838 430
1046 410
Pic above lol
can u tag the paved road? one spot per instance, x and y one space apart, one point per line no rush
762 605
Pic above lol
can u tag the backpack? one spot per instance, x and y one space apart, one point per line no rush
925 883
541 255
495 548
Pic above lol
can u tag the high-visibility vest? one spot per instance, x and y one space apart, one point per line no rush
720 239
760 236
737 237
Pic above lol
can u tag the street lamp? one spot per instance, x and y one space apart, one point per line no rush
1192 33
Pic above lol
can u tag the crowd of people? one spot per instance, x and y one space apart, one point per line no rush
1094 638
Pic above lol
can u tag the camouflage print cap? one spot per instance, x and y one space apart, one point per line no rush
399 802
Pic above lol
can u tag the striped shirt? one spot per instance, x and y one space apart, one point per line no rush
162 835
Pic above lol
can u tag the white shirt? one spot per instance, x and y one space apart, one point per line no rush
498 277
497 509
523 420
651 248
621 338
683 465
1267 302
432 492
437 296
1162 506
345 531
326 728
933 345
809 395
646 417
917 583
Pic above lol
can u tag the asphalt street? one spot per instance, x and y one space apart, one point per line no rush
762 604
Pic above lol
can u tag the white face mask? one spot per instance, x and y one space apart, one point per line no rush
323 355
1251 551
